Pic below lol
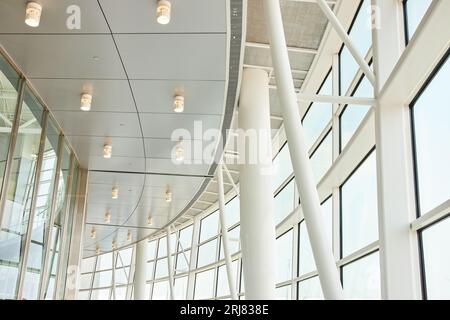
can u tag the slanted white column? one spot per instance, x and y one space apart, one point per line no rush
396 204
322 251
169 265
256 196
224 232
140 271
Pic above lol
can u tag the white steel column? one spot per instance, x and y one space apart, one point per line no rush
256 201
396 205
140 272
224 232
323 254
169 264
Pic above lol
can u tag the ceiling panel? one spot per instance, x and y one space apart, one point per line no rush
205 97
54 17
167 166
174 56
164 125
65 95
130 164
121 147
64 56
139 16
99 124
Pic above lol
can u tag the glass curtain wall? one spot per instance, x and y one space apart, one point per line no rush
33 192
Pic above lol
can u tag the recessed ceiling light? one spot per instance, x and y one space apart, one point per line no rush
168 195
163 12
93 233
114 244
33 14
115 192
107 151
107 217
86 102
178 104
179 151
129 236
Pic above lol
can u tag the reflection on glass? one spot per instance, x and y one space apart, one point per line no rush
359 208
18 199
204 285
361 278
432 133
284 256
42 212
310 289
186 237
436 257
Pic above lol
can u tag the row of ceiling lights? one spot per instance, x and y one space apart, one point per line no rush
33 13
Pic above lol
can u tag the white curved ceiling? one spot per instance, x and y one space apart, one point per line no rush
133 66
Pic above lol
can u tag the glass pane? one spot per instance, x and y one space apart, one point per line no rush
161 268
104 261
204 284
207 253
124 257
432 134
361 35
103 279
361 279
359 208
234 242
322 158
415 11
180 288
151 249
284 202
232 212
121 293
209 226
186 238
9 86
284 293
101 294
182 265
315 121
121 275
42 212
20 191
284 256
223 288
306 258
149 273
87 265
161 291
310 289
436 257
282 167
85 281
352 117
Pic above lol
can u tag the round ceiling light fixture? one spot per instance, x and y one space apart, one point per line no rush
107 217
129 236
97 250
86 102
168 195
107 151
33 14
178 104
115 192
93 233
179 151
163 12
150 220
